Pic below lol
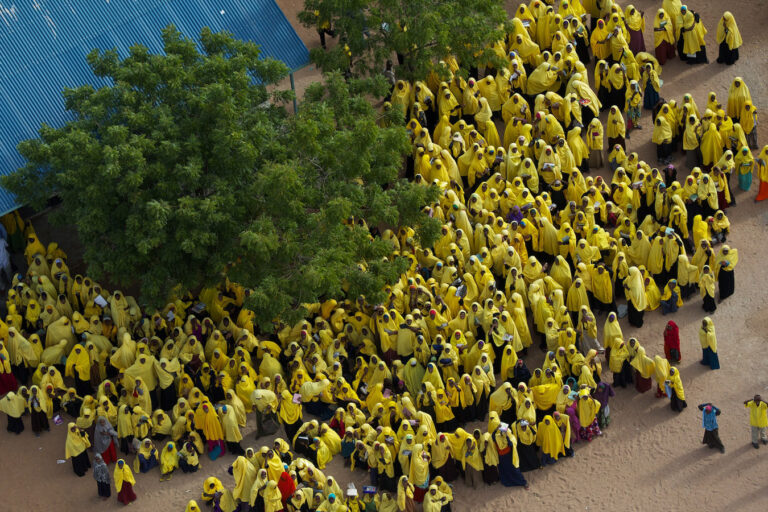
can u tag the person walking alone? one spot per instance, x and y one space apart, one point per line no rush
709 422
758 419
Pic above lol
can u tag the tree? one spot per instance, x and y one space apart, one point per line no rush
421 33
187 168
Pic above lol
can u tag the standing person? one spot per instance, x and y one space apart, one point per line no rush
662 137
672 342
595 143
506 444
603 394
290 413
724 264
708 342
707 289
405 495
635 23
637 302
675 390
633 105
758 419
76 448
124 483
13 406
105 440
663 37
745 162
693 50
709 422
101 475
762 173
729 39
38 411
323 27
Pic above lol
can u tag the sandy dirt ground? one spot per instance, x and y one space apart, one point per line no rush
649 457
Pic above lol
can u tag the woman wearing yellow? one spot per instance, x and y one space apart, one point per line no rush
587 408
663 36
724 264
707 289
39 410
729 39
169 461
634 290
79 367
124 482
619 364
690 44
662 137
550 440
617 91
76 448
744 163
405 495
738 95
290 413
615 130
525 433
635 23
595 143
188 459
708 341
192 506
14 406
599 41
146 458
675 390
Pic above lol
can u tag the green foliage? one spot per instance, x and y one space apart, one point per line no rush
188 167
373 31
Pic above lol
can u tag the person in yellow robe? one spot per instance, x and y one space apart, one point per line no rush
674 386
691 45
724 265
707 289
550 440
587 409
738 95
634 290
169 461
124 482
729 39
664 36
76 447
708 341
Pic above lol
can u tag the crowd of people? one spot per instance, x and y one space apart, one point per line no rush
433 385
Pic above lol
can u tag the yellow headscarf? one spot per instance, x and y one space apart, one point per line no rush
77 442
169 458
707 336
728 31
549 438
122 474
207 420
588 408
289 412
636 291
727 259
642 363
244 474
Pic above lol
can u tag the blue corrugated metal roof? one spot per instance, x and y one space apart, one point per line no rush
44 44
